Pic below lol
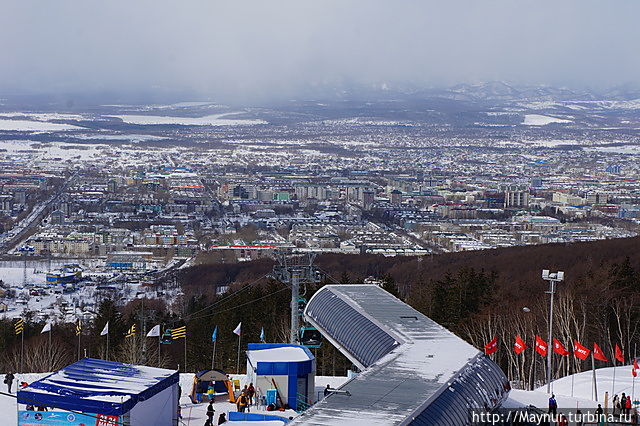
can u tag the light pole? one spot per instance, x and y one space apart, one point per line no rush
553 278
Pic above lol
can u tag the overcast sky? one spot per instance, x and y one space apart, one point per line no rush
281 47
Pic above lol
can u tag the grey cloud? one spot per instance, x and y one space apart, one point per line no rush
270 48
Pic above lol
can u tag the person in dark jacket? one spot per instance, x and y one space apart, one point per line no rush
327 391
8 379
210 411
553 405
251 391
222 419
599 411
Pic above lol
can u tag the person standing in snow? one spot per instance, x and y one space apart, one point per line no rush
8 379
251 391
242 403
327 391
210 411
553 405
222 419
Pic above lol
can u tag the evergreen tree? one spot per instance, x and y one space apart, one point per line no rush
389 284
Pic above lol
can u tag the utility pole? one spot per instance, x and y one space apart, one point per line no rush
144 317
294 271
553 278
295 297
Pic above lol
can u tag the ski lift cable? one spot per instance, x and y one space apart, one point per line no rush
226 298
242 304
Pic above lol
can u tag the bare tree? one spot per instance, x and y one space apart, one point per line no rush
38 357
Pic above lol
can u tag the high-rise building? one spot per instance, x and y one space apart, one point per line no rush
516 198
367 199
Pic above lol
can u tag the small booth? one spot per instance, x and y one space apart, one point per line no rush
219 382
94 391
285 371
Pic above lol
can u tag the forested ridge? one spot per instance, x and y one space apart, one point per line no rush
478 295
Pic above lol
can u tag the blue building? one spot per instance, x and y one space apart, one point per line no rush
289 370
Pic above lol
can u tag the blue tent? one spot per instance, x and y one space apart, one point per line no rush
98 386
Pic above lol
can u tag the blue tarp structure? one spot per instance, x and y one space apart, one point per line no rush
254 417
98 386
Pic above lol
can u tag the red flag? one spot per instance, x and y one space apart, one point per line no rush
580 351
598 354
558 348
618 354
635 367
541 346
492 346
519 346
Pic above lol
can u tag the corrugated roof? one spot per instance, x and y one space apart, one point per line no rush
407 359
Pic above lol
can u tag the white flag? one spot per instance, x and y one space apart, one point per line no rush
105 330
154 332
47 327
238 328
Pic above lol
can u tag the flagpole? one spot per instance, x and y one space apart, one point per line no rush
213 358
79 334
185 351
633 380
595 383
50 354
22 350
159 346
238 362
107 345
613 386
573 376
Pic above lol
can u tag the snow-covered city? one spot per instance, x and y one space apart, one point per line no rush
319 213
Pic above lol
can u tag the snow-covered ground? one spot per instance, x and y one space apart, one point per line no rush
34 126
43 116
209 120
195 414
541 120
192 414
576 391
620 149
583 383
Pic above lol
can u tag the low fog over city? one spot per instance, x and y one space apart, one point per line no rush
256 50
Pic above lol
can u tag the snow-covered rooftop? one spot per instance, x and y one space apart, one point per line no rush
407 360
92 384
281 354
